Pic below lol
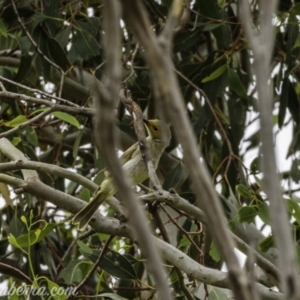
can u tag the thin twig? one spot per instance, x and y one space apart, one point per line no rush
132 55
201 255
61 100
62 80
89 112
2 86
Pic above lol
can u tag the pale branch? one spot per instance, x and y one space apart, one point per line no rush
39 92
172 199
105 98
2 86
88 112
262 43
20 164
114 227
13 153
175 201
167 92
66 202
165 38
204 274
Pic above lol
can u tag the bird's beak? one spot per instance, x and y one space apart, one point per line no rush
145 121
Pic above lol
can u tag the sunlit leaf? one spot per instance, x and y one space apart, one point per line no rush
16 121
67 118
215 74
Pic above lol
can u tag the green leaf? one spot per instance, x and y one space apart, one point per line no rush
26 58
247 214
3 30
13 241
184 242
35 236
85 195
263 212
56 291
283 100
84 247
67 118
174 177
216 294
16 121
294 209
41 38
100 177
16 140
236 85
72 273
266 244
77 143
31 136
63 36
293 103
213 252
254 166
113 263
243 191
58 54
186 40
85 44
217 73
38 18
23 219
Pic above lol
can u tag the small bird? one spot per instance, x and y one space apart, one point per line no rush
133 166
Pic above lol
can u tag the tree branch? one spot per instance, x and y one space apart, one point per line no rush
105 99
113 227
262 46
166 91
40 92
89 112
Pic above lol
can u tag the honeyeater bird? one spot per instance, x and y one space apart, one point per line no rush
133 166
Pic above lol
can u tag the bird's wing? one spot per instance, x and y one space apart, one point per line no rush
129 153
125 157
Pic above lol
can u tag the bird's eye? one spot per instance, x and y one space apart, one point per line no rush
155 128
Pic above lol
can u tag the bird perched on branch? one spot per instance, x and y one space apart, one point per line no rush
133 166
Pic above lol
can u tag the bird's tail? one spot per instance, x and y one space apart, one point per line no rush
82 218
